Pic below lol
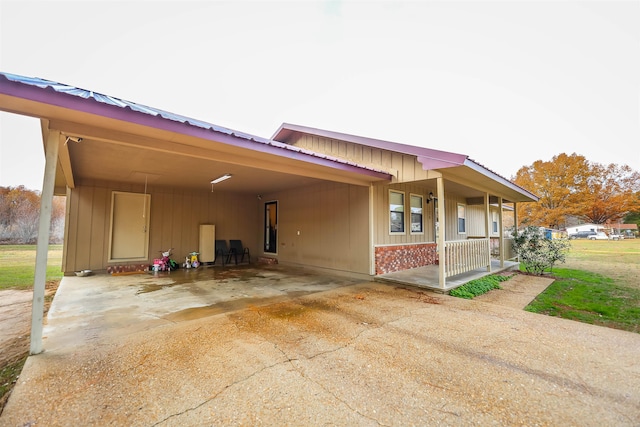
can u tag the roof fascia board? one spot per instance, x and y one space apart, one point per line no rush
428 153
503 181
50 96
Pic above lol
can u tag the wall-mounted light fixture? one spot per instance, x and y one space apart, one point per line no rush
221 178
75 139
430 198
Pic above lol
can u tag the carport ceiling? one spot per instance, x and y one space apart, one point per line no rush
104 161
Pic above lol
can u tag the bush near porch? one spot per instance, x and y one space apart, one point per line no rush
479 286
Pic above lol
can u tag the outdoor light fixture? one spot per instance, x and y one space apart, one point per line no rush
430 197
75 139
222 178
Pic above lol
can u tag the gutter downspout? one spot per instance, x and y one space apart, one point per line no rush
42 249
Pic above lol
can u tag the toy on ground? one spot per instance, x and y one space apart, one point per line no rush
165 263
194 259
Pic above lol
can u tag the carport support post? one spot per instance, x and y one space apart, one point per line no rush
42 249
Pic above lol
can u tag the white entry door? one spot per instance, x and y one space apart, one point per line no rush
129 234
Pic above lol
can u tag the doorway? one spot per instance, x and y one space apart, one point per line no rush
271 227
129 237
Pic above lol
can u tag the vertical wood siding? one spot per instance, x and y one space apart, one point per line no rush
175 218
381 215
408 170
332 219
407 167
451 223
477 222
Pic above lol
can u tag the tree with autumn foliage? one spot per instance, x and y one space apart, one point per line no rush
20 212
571 186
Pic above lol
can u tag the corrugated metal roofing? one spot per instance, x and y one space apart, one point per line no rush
110 100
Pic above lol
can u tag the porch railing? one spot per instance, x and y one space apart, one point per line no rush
466 255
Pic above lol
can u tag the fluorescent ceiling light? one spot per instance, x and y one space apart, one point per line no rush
222 178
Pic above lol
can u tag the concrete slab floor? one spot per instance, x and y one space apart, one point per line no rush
368 354
89 308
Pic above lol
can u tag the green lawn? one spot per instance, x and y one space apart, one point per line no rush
18 262
599 285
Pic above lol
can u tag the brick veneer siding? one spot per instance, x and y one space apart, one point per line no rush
403 257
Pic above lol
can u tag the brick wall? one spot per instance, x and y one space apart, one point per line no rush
403 257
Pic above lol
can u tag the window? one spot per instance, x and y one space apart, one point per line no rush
494 222
462 226
396 212
416 214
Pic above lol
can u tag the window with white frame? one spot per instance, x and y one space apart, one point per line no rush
462 219
494 222
416 214
396 212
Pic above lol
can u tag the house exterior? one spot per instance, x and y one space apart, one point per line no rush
139 180
309 197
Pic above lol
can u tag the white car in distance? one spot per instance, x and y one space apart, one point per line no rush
600 235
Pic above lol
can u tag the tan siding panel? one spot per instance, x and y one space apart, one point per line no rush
100 223
83 257
381 214
174 222
332 220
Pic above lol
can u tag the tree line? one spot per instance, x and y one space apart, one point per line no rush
20 212
573 190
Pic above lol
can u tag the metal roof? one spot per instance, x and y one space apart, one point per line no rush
428 157
155 112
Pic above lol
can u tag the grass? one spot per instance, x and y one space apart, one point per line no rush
17 265
8 376
600 287
590 298
17 271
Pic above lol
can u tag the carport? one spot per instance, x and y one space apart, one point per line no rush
98 147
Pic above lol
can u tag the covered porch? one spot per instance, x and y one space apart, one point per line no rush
428 276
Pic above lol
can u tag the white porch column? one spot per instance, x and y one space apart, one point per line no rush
515 222
487 218
500 232
372 249
42 249
442 263
515 219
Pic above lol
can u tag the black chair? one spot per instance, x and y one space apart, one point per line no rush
236 250
222 251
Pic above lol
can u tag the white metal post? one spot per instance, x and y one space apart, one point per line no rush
42 249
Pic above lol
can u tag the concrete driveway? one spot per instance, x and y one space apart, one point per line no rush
349 354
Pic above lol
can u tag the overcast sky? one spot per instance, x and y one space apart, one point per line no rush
506 82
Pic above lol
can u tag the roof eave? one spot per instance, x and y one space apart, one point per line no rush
189 127
502 180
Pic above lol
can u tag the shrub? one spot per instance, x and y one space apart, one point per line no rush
536 253
479 286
